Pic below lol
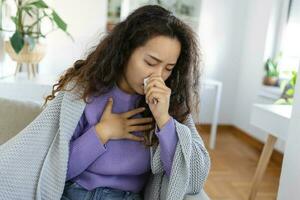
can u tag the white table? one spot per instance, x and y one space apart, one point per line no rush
217 85
273 119
19 87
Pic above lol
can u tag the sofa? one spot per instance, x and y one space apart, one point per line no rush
15 115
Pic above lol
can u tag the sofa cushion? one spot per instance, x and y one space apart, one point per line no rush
15 115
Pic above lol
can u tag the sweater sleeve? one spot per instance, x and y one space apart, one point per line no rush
83 150
168 139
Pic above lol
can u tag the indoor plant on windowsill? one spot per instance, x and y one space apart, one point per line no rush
24 45
288 88
272 74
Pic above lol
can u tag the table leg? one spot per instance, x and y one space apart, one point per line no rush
214 125
262 165
17 68
33 69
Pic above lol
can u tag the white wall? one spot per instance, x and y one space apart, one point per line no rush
236 38
221 32
251 62
251 73
86 20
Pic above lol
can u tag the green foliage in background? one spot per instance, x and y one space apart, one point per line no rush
288 88
37 10
271 66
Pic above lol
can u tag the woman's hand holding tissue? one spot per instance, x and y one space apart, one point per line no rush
157 96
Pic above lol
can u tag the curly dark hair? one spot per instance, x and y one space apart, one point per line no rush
105 64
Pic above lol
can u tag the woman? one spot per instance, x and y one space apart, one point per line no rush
118 149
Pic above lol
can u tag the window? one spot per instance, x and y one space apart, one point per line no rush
290 42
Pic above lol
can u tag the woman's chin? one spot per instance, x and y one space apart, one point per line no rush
141 90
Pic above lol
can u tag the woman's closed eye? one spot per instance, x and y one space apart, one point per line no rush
153 64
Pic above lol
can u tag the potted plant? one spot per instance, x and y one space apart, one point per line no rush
272 74
288 88
24 45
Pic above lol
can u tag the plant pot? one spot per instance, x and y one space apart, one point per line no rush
26 56
271 81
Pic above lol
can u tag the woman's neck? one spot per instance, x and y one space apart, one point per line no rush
124 86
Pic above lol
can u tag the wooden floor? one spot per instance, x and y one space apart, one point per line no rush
233 165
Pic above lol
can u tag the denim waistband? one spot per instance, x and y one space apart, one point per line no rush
71 184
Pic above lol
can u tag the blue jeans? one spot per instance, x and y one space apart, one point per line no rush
74 191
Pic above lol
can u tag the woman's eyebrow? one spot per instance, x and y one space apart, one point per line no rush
158 60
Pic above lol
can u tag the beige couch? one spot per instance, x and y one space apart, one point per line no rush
15 115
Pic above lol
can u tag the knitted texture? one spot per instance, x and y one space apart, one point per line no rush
33 164
190 167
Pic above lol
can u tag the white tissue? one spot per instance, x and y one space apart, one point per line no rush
145 85
145 82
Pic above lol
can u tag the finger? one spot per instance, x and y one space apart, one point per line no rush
139 121
155 89
156 78
139 128
133 112
155 93
159 89
156 83
108 107
135 138
157 96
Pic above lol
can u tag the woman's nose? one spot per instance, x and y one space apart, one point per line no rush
158 71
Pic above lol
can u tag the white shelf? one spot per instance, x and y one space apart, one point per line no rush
270 92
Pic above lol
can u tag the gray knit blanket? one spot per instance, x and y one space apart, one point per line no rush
33 164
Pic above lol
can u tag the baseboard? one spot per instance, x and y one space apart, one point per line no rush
245 137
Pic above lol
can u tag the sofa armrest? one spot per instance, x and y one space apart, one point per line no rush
15 115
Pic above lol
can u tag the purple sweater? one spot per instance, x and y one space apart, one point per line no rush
121 164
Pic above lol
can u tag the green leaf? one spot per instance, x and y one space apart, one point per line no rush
28 11
59 22
17 41
271 65
271 68
293 79
290 101
290 92
39 4
292 83
70 36
15 19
